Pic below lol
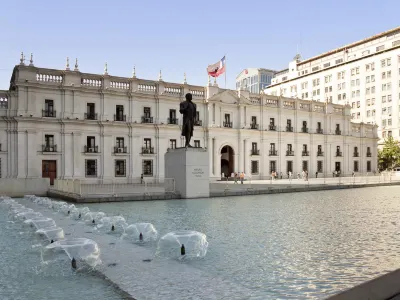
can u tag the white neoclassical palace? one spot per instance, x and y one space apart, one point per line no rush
68 124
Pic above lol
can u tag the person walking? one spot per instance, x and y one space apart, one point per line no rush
235 178
241 177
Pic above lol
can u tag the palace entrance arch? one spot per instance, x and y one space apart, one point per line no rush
227 160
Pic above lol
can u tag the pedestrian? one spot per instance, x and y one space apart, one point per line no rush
316 174
236 178
141 179
241 177
281 175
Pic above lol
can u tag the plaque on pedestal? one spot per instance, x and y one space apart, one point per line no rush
189 167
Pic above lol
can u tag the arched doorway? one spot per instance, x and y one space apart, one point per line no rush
227 161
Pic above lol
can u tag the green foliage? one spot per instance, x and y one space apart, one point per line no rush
389 156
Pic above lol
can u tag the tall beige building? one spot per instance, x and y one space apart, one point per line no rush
364 74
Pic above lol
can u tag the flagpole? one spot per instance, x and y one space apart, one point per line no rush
225 70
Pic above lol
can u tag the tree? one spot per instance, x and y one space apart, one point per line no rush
389 156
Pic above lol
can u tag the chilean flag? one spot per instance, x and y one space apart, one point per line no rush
217 69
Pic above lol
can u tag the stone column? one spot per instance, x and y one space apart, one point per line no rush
78 169
33 164
22 153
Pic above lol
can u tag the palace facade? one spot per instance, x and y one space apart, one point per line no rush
71 125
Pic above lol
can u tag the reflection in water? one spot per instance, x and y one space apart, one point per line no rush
292 246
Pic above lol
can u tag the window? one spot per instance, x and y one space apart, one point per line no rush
373 101
355 168
91 167
253 120
367 91
368 113
358 104
368 166
147 112
389 98
389 109
272 121
380 48
389 62
383 99
389 122
289 147
315 82
119 116
319 166
147 143
289 166
120 168
49 140
254 167
90 143
305 165
172 116
272 146
197 143
49 105
384 122
227 118
372 78
383 62
272 166
48 109
172 144
367 79
90 111
373 90
147 167
120 142
389 74
389 133
319 125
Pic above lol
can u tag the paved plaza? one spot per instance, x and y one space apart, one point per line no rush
311 182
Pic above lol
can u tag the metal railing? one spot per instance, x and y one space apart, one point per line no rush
147 150
88 149
338 132
255 152
123 149
147 120
48 148
320 153
289 153
254 126
304 129
198 123
173 121
272 127
136 186
227 124
48 113
90 116
273 152
289 128
320 131
305 153
120 118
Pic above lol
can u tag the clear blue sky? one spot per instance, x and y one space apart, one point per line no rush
182 36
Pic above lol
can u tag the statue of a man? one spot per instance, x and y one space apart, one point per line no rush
188 110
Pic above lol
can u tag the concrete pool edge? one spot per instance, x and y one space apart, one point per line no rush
213 194
385 287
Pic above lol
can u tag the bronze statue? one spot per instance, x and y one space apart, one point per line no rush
188 110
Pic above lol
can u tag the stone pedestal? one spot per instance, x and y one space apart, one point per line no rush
190 169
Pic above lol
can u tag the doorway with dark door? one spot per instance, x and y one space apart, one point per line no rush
49 170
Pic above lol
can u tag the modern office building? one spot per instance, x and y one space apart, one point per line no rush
254 80
67 124
365 74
